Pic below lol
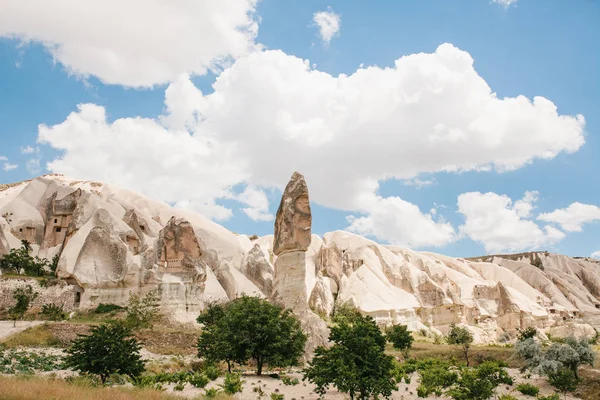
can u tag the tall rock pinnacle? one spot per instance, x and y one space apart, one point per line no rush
293 221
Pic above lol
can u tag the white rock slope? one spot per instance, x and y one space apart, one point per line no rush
113 242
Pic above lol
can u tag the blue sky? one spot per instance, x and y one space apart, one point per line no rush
521 48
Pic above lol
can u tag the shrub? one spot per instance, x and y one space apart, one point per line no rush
54 312
20 261
142 312
564 380
23 297
106 308
289 381
232 383
212 372
277 396
462 337
553 396
211 393
179 387
198 380
507 397
109 349
528 389
527 333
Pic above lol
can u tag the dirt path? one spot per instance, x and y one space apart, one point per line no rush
6 327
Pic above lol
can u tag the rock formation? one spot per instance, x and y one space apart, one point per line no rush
113 242
294 219
290 244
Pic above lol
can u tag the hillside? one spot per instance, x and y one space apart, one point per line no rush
112 241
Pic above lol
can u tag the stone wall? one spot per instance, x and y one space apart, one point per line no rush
60 294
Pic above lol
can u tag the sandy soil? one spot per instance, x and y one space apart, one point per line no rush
6 327
305 391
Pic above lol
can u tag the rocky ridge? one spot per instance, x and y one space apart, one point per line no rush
113 242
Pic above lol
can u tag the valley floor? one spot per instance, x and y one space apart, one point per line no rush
169 350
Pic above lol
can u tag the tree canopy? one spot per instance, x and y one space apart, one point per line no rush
110 348
401 338
19 261
460 336
23 297
356 363
250 328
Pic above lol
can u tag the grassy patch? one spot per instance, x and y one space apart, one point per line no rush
478 354
37 336
35 388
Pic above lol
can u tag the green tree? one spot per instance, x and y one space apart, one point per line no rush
401 338
356 363
110 348
564 380
23 298
19 261
218 340
435 378
142 312
251 328
571 353
527 333
462 337
479 383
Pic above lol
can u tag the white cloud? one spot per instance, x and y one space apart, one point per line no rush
419 183
9 167
596 255
505 3
329 24
400 222
33 165
271 114
140 154
492 220
573 217
135 42
258 204
29 150
3 158
524 206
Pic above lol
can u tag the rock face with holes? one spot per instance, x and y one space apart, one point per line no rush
112 242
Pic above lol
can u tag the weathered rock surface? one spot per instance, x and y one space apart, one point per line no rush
113 242
294 219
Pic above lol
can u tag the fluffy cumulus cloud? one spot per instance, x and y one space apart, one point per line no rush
134 42
328 23
400 222
257 202
596 255
505 3
573 217
271 113
494 221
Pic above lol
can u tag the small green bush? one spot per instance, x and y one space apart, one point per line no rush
212 372
507 397
54 312
211 393
553 396
528 389
198 380
289 381
276 396
232 384
179 387
106 308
